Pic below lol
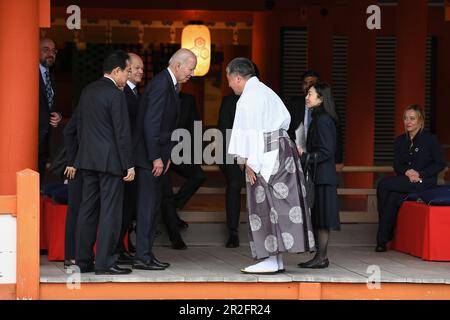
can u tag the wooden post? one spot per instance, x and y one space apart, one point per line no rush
19 45
27 272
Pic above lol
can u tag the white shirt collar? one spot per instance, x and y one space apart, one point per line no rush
131 84
174 80
250 83
110 79
42 68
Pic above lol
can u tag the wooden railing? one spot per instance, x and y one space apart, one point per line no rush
25 207
370 215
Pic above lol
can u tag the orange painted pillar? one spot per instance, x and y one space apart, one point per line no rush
27 270
266 47
19 49
442 89
359 146
320 41
411 56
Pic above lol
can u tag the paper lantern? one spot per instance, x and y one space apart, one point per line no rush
198 39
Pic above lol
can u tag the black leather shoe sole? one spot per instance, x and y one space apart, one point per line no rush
160 263
68 263
114 271
152 267
380 248
179 246
315 265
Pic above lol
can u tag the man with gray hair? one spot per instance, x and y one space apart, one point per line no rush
279 216
157 118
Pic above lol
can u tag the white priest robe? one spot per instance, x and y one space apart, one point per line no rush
259 110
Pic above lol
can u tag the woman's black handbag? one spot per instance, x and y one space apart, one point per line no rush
311 169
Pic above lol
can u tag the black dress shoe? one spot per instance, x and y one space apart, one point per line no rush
315 264
150 265
86 269
179 245
233 242
113 270
160 263
68 263
125 258
182 224
381 247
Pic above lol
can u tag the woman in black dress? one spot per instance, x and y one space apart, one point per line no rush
418 158
321 146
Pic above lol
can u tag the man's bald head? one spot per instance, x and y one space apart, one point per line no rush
182 64
137 68
47 52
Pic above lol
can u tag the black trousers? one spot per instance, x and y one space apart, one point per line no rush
235 180
391 192
129 212
43 154
194 176
169 209
75 188
99 218
148 201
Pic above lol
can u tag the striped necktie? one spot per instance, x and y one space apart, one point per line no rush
48 89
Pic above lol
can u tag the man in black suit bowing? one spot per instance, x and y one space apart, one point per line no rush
48 117
104 158
157 118
129 201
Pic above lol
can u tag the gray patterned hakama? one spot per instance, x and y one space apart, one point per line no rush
279 215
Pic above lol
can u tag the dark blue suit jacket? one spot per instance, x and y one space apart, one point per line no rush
103 129
157 118
425 155
321 143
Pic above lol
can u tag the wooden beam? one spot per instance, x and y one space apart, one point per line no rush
241 290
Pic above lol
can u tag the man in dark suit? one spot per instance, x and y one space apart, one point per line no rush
132 97
48 117
75 188
191 171
233 174
158 115
104 158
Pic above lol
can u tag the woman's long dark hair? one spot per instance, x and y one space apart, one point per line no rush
324 91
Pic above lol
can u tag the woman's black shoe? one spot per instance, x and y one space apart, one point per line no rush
315 264
381 247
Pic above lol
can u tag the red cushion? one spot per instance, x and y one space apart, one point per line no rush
422 231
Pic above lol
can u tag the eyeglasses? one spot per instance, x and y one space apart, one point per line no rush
48 50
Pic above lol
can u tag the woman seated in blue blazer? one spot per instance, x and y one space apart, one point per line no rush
418 158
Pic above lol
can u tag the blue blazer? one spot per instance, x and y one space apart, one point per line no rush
424 154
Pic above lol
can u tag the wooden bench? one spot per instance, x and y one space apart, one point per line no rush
368 216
